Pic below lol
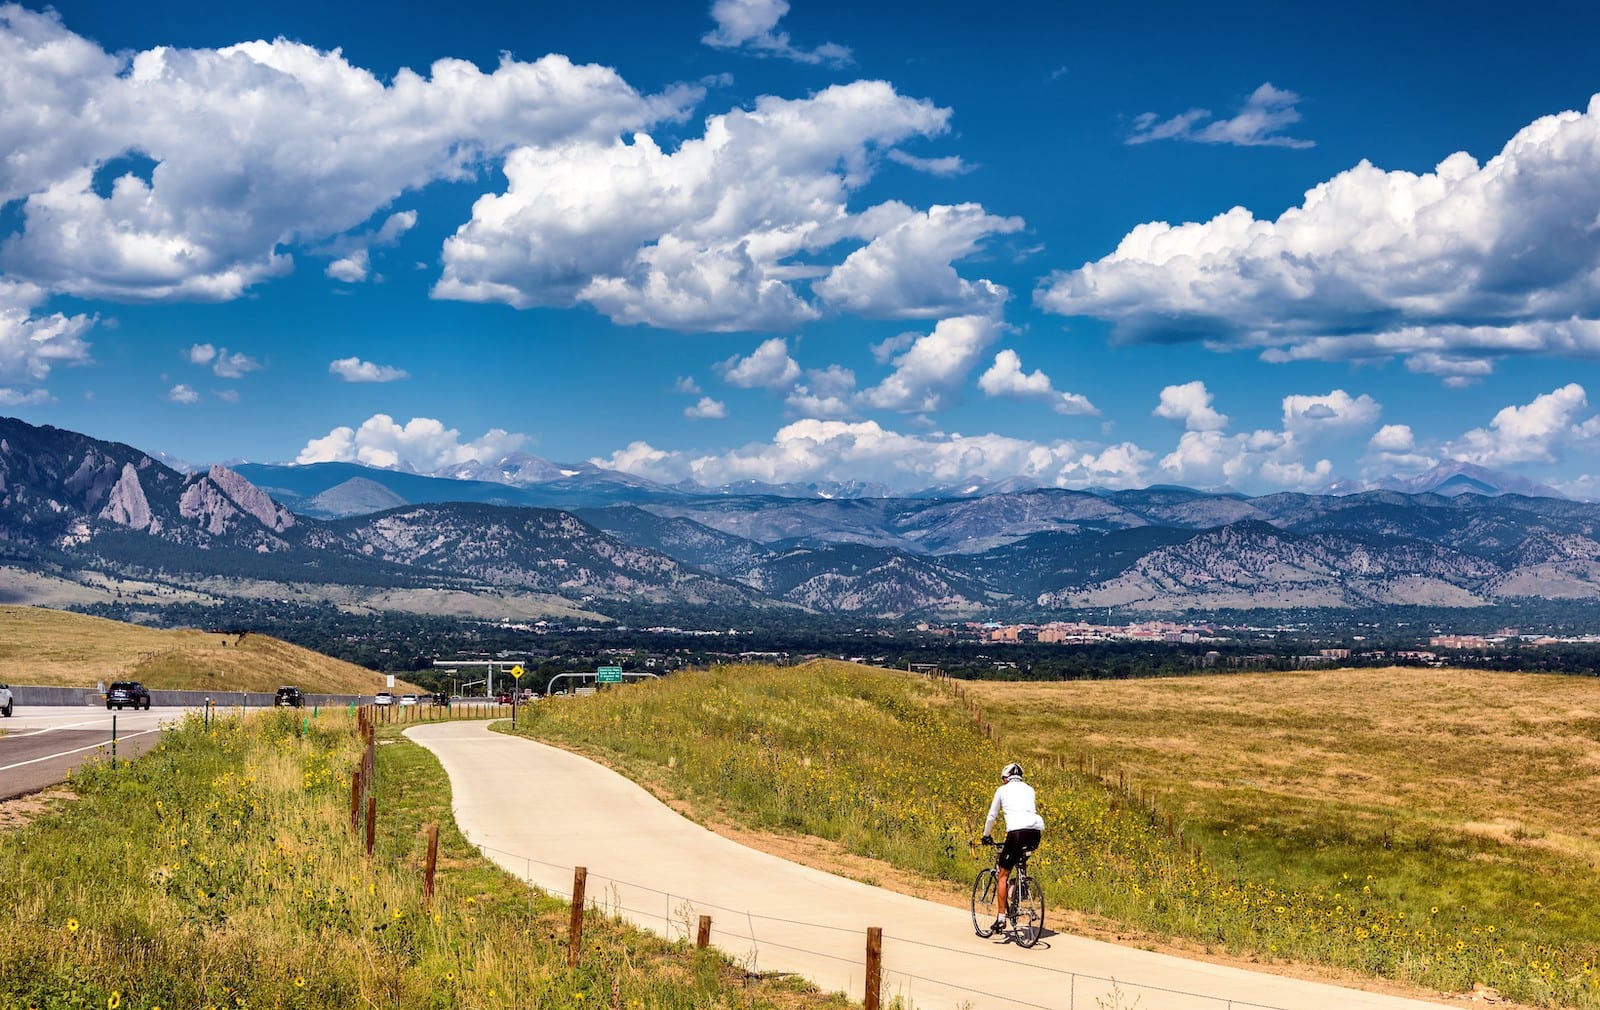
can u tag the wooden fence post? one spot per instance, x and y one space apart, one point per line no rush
433 864
580 876
874 966
355 800
372 822
703 937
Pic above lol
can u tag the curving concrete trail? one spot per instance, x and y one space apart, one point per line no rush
539 811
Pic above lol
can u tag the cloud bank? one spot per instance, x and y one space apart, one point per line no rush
1451 269
705 237
422 444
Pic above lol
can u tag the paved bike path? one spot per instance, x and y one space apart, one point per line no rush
539 811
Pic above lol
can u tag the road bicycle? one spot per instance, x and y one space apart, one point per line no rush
1024 902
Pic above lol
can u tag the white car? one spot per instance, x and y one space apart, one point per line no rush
408 699
6 704
383 698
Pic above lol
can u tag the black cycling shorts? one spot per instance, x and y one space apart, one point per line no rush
1018 845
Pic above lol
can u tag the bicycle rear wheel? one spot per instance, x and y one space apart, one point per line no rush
1028 917
983 889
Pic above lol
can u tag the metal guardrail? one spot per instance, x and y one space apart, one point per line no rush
37 696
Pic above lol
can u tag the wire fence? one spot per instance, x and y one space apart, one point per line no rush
676 915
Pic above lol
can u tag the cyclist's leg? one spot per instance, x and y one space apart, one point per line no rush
1002 880
1016 848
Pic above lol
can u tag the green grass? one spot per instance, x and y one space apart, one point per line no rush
220 871
900 769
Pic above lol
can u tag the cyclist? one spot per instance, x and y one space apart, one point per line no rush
1024 828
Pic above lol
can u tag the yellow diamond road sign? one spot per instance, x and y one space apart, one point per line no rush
517 671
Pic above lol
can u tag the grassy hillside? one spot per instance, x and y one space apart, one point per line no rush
41 647
220 870
1431 829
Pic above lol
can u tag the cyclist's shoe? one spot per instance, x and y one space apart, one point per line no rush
999 925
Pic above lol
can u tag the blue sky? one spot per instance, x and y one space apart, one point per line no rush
1224 246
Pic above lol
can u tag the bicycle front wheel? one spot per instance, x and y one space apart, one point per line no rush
1029 916
983 889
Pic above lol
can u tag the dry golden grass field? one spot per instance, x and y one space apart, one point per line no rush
53 648
1514 757
1451 791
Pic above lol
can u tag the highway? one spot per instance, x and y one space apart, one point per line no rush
39 745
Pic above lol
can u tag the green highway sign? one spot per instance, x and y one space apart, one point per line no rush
609 675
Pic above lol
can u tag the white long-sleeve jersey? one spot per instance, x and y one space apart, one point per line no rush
1015 799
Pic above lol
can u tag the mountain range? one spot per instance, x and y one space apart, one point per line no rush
83 519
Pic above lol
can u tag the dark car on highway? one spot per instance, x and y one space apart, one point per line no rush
123 693
289 697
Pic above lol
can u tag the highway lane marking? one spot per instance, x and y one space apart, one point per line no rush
95 721
61 754
91 724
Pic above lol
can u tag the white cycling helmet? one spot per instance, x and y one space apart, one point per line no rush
1011 771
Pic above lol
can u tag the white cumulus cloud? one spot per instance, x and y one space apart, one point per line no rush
825 393
395 226
229 156
697 238
929 374
1393 438
356 370
768 367
183 394
422 444
10 397
1212 459
1191 404
1266 113
353 262
1450 269
351 269
907 272
32 345
752 26
221 362
1206 457
1335 411
1393 450
706 409
817 449
1005 378
1532 433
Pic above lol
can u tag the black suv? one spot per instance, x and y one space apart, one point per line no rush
289 696
127 692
